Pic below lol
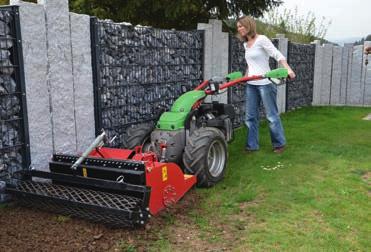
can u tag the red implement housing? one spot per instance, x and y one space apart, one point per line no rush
167 181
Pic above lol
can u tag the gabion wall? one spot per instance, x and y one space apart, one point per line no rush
299 92
138 69
237 62
236 94
14 150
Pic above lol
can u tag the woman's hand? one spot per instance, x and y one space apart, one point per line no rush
291 74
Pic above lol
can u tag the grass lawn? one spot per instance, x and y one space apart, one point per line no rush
313 197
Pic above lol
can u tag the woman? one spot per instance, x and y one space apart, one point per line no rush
258 49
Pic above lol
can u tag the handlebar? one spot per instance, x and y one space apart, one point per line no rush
236 78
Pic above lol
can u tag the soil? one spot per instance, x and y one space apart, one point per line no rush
23 229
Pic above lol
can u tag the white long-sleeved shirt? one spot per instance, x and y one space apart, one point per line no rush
257 58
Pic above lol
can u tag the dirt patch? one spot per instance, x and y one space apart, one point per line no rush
224 235
23 229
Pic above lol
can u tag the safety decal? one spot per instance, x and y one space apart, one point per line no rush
84 172
164 173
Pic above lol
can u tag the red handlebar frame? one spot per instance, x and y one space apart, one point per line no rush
228 84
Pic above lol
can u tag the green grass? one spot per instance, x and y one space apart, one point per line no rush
62 218
124 246
312 197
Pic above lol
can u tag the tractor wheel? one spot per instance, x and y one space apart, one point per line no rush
205 155
138 135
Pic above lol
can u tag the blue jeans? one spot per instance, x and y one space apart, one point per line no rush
267 94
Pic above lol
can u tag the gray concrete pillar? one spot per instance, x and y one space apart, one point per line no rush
60 78
208 49
355 88
344 73
283 44
317 80
34 46
83 80
215 54
326 74
349 77
336 75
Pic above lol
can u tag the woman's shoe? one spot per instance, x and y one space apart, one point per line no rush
250 150
279 150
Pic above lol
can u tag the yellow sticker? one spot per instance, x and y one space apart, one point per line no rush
84 172
164 173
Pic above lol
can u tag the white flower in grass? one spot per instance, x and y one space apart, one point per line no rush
273 168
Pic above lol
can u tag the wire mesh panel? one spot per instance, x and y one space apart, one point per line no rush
237 62
138 69
236 94
299 92
14 143
113 209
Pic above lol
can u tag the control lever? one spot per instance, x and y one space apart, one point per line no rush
98 142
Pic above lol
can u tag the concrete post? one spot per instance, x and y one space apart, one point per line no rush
34 46
326 74
83 80
208 49
349 77
344 73
336 75
215 54
317 80
60 78
283 44
356 87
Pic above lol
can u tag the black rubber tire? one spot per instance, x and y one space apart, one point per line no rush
202 147
138 135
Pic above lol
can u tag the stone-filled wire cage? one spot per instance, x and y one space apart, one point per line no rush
139 69
237 62
236 94
14 142
299 92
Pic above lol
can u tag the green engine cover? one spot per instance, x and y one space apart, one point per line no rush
175 118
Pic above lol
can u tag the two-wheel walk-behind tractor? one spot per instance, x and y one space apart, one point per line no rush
160 163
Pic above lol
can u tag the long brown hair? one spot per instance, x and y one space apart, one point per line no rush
250 26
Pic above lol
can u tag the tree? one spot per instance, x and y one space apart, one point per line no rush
362 40
179 14
296 27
